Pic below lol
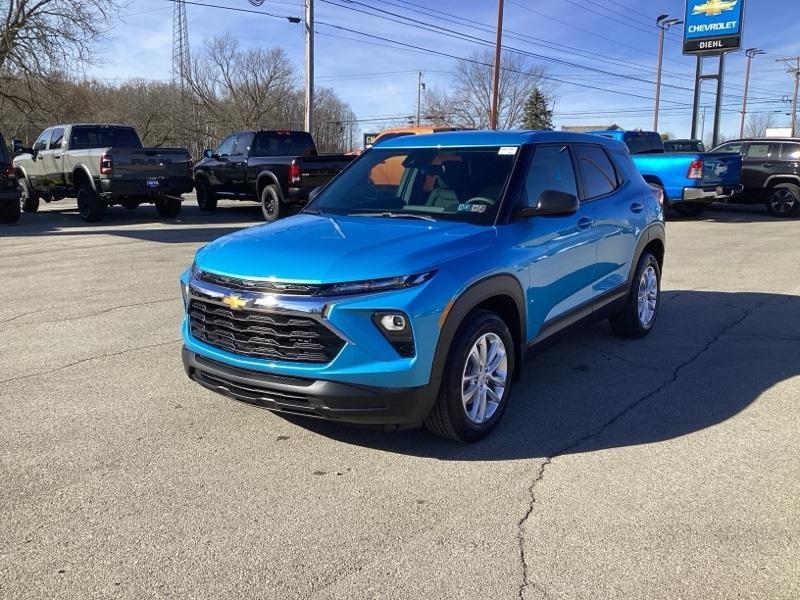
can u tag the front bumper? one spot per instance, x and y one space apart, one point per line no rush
708 195
331 400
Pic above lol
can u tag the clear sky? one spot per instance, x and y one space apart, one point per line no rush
586 44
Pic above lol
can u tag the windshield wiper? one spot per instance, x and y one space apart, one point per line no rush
392 215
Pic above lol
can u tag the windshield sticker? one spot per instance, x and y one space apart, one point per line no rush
476 208
507 151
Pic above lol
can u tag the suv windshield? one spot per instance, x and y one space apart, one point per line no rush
99 136
463 184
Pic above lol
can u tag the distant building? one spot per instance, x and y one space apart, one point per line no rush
587 128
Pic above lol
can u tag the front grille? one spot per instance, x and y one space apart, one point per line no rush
258 334
255 285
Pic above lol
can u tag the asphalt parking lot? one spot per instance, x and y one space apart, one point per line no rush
666 468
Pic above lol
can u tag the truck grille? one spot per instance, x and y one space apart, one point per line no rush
258 334
256 285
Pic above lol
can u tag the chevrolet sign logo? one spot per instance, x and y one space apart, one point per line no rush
235 302
712 8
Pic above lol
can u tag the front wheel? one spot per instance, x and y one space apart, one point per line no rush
28 199
638 316
784 200
271 205
168 208
90 205
9 213
477 380
206 198
689 209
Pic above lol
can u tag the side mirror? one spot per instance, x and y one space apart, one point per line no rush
551 202
314 193
16 146
208 153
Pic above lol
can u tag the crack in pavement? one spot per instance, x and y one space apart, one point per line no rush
521 524
90 358
620 358
78 317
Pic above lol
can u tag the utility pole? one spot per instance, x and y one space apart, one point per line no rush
703 124
420 87
309 35
751 53
663 22
794 70
496 81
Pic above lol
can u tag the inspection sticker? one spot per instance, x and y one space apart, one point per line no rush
507 151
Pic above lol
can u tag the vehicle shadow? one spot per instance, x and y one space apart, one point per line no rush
731 213
710 356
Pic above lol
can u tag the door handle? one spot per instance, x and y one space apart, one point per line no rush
585 222
768 165
637 207
56 156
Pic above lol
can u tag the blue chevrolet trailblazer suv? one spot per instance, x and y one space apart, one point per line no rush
412 287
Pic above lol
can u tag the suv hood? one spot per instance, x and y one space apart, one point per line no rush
330 249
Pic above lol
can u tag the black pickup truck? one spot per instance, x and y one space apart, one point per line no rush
276 168
9 192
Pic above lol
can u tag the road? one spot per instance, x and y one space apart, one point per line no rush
665 468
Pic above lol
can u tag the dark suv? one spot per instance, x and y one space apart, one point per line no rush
9 190
770 173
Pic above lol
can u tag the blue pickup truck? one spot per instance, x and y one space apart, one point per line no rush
690 181
412 287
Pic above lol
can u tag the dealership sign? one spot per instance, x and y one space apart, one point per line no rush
712 26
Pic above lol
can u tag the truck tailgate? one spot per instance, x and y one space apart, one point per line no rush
147 163
721 168
319 170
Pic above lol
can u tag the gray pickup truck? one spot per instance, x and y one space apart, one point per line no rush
101 165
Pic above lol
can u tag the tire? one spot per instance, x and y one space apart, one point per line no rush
451 417
29 199
272 207
631 322
168 208
783 200
130 204
689 209
206 198
10 212
90 205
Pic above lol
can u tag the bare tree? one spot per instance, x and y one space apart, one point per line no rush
757 124
468 103
42 37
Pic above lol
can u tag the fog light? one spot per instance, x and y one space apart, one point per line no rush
393 323
396 328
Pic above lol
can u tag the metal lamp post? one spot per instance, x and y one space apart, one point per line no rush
663 22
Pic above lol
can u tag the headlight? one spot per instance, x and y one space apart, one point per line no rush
376 285
196 273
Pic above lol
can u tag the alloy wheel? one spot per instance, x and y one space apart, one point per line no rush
782 201
648 296
484 378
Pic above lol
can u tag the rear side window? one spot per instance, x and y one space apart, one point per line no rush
57 138
761 150
597 173
283 143
644 143
730 148
86 137
551 169
790 151
41 141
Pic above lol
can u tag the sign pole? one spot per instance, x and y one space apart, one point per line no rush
698 81
718 107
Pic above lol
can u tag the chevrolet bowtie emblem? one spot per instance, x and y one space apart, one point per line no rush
235 302
712 8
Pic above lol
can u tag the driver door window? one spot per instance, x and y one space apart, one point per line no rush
226 147
551 169
41 142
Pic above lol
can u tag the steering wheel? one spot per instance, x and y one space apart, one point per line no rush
480 200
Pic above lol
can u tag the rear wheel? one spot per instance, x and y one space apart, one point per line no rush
638 316
28 199
90 205
477 380
271 205
689 209
206 198
130 204
784 200
168 208
10 212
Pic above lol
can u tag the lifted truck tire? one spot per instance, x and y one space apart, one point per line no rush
168 208
10 212
206 198
449 417
645 288
689 209
783 200
90 205
272 207
29 199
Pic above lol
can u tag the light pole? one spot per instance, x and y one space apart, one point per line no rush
751 53
420 87
496 78
663 22
309 38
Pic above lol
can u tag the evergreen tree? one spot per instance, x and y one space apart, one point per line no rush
536 114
